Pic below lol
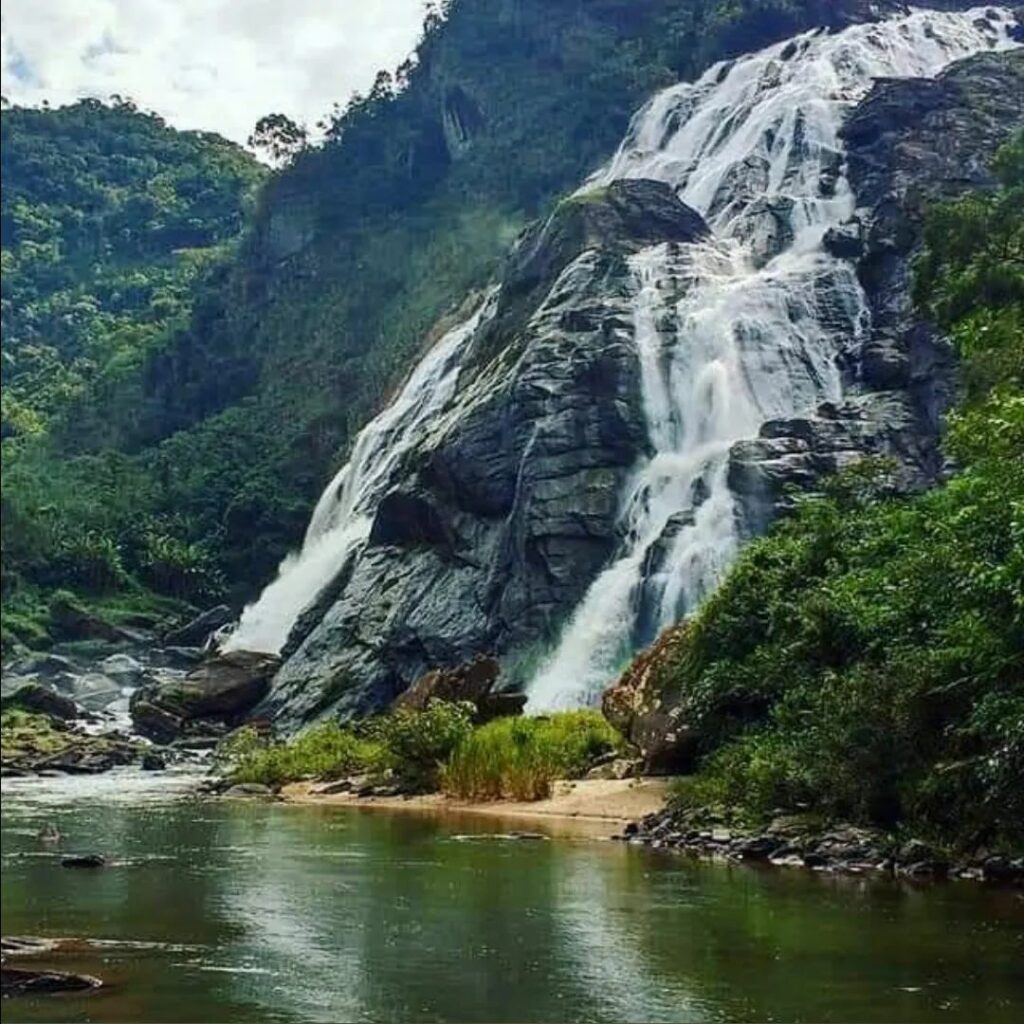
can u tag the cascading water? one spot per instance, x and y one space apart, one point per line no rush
343 516
754 146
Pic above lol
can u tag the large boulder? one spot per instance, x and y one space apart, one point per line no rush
220 690
651 719
196 631
69 620
41 700
473 683
123 668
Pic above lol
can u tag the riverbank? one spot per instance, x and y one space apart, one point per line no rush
585 807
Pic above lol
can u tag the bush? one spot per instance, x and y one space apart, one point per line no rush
519 758
416 744
410 746
326 750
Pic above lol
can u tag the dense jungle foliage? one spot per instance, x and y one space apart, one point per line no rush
174 401
110 219
866 659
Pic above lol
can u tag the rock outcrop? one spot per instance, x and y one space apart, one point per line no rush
650 720
474 683
911 141
507 507
213 696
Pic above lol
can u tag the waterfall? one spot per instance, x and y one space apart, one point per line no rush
341 521
746 327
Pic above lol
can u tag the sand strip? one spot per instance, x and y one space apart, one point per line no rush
593 807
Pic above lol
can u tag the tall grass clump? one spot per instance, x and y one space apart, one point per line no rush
408 746
520 758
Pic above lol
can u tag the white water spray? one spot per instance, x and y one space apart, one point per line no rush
343 516
754 146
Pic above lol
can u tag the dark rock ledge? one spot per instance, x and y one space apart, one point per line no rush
793 840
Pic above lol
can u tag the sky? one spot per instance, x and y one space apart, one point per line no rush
216 65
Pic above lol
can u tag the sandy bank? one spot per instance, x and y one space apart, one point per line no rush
598 807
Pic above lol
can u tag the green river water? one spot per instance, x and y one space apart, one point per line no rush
243 911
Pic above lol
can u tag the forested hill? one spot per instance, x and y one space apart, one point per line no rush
108 215
110 218
172 407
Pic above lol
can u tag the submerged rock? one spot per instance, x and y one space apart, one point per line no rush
19 981
83 860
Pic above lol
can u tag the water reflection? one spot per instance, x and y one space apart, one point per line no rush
241 911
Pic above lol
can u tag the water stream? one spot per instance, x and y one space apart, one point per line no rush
241 911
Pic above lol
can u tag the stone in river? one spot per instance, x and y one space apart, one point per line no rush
17 981
83 860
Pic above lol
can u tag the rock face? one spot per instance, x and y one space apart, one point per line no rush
218 693
507 507
908 143
501 520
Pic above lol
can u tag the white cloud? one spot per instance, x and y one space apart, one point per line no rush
217 65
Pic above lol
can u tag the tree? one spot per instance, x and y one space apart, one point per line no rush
279 137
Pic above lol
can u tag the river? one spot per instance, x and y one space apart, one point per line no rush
216 910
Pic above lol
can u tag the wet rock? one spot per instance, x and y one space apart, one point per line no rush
44 666
767 227
153 762
884 363
18 981
1003 870
83 860
759 847
218 692
42 700
123 668
196 632
250 789
176 657
845 243
925 869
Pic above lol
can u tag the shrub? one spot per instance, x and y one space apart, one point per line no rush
416 744
519 758
326 750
